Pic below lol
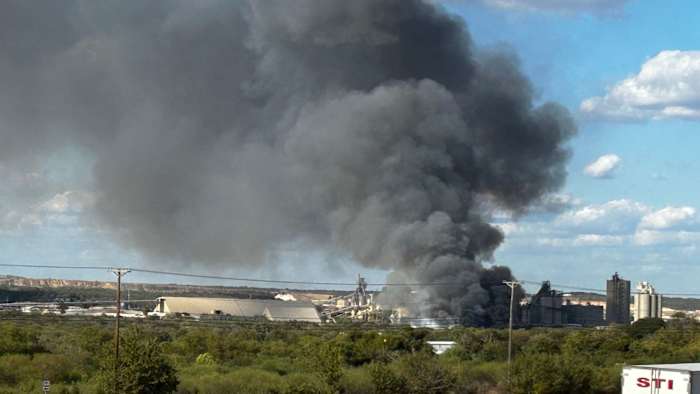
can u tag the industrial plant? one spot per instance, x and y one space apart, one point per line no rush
547 307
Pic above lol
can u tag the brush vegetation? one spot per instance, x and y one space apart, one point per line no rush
256 357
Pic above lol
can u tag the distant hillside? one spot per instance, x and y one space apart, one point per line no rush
585 296
18 281
16 289
686 304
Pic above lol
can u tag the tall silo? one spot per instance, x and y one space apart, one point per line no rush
647 304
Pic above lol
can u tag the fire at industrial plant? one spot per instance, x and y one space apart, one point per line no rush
220 133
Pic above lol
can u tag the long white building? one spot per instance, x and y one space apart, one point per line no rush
274 310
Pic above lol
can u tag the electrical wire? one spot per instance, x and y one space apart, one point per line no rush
227 278
312 283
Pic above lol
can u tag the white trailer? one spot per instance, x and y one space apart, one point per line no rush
661 379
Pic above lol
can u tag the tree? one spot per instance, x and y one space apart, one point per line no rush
644 327
326 361
385 380
423 373
551 374
142 367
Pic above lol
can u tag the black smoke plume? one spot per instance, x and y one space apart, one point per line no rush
221 130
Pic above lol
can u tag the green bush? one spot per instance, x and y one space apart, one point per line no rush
291 358
306 383
242 380
478 377
20 340
423 373
205 359
142 367
386 380
551 374
357 381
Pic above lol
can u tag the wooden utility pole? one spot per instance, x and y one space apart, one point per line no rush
119 272
511 284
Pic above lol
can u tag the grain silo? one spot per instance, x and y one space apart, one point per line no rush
647 304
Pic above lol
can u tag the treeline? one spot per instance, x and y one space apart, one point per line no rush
257 357
684 304
53 294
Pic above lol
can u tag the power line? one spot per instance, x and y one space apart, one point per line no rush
67 303
561 286
81 267
311 283
292 282
229 278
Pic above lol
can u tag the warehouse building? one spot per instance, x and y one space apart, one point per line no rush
273 310
583 315
544 308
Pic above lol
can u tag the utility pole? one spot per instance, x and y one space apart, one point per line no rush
119 272
511 284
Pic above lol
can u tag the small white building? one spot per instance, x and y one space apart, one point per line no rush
440 347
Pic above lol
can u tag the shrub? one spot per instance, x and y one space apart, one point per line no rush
142 367
242 380
357 381
551 374
423 373
305 383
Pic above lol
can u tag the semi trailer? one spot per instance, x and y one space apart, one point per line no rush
661 379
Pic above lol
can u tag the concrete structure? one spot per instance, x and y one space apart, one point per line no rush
583 314
544 308
358 305
617 310
582 298
647 304
274 310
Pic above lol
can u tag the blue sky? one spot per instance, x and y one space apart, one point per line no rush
630 203
572 55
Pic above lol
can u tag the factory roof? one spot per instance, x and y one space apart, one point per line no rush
271 309
279 312
678 367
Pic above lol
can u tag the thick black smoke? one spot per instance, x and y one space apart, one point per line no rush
221 130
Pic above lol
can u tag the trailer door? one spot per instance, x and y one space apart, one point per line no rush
655 381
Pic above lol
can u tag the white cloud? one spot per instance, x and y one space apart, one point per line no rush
653 237
595 240
67 202
668 226
582 240
667 86
11 220
603 167
62 209
598 240
508 228
563 6
553 242
555 203
616 216
668 217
